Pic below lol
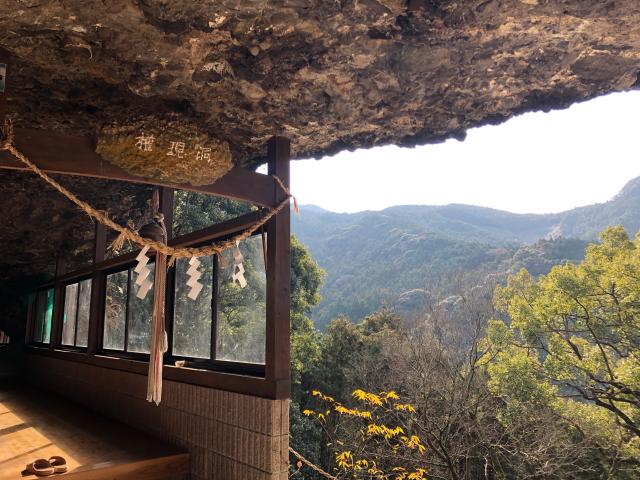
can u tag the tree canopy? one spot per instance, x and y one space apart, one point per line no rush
572 342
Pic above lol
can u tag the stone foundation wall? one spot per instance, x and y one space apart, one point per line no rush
230 436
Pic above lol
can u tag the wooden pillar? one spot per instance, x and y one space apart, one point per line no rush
58 304
279 276
166 208
97 287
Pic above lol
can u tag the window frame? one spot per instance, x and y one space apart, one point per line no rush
211 363
218 232
60 317
33 315
128 267
273 380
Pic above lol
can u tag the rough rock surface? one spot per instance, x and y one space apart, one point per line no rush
39 224
329 74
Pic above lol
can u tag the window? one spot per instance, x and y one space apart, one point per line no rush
75 316
233 320
127 318
242 312
192 319
43 316
193 211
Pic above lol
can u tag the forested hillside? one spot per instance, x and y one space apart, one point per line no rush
391 257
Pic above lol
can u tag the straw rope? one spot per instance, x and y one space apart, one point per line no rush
313 467
126 234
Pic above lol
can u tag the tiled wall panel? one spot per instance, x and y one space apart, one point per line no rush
230 436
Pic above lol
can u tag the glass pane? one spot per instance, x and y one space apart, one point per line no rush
115 311
44 313
84 306
38 319
48 317
192 318
69 314
140 312
194 211
242 311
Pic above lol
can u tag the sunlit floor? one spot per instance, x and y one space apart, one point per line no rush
37 425
22 442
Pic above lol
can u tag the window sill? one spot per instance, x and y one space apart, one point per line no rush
222 380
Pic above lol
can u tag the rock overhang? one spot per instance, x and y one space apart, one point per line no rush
330 75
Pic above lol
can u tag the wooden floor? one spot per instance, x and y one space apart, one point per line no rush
36 425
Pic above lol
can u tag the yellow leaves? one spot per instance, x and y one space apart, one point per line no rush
326 398
391 395
374 470
382 397
414 443
377 400
384 431
379 441
361 465
352 412
320 416
405 407
419 474
344 460
402 474
370 398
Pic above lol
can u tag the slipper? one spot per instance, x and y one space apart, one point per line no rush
59 464
41 468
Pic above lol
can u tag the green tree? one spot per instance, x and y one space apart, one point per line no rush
306 280
572 343
193 211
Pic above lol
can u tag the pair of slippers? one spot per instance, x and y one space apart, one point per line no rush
45 468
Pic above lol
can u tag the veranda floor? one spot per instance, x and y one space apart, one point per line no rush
35 424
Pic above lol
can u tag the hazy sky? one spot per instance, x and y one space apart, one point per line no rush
537 162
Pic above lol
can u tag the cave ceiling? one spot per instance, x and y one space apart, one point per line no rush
329 74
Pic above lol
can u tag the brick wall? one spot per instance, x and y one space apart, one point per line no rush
230 436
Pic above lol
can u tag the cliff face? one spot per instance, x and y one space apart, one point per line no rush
330 75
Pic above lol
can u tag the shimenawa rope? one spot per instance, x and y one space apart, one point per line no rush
172 253
313 467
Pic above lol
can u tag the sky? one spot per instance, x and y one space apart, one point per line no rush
533 163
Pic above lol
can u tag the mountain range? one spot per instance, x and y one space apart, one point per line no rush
387 257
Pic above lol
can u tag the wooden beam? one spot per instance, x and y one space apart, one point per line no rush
278 366
75 155
199 237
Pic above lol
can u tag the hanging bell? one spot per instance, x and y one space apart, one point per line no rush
154 229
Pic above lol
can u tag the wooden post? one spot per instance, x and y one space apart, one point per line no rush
58 305
279 276
166 208
97 287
